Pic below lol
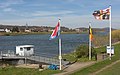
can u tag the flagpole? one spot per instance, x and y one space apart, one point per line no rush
110 32
60 53
89 43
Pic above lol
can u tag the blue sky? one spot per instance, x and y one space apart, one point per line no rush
73 13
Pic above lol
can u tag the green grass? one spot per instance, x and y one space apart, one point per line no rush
25 71
100 50
71 57
113 70
97 66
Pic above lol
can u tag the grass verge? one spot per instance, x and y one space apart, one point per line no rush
113 70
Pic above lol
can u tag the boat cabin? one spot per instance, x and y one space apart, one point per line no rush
25 50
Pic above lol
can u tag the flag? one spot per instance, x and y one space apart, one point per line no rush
56 31
102 14
90 33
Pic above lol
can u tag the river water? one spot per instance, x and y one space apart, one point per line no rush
44 46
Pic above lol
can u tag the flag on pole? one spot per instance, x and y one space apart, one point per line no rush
105 14
90 34
55 32
102 14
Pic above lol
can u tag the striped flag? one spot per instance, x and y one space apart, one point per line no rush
90 34
56 31
102 14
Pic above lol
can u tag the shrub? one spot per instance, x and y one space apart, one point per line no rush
83 51
103 40
116 35
100 40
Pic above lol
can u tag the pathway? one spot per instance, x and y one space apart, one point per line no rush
75 67
79 65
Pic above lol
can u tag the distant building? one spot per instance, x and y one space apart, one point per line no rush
27 30
80 30
2 30
7 30
50 30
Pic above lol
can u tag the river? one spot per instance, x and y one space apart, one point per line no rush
43 46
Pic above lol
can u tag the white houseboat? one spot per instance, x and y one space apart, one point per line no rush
25 50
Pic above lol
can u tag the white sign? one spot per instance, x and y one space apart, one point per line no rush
112 50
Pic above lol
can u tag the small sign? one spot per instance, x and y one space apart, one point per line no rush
112 50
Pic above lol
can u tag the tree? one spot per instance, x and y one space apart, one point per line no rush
15 29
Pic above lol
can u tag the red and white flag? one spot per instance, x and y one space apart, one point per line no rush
56 31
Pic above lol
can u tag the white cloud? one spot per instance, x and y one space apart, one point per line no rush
51 13
70 21
8 3
8 9
69 0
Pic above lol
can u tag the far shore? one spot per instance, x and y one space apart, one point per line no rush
32 33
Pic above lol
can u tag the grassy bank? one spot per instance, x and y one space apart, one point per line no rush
23 33
113 70
72 58
25 71
97 66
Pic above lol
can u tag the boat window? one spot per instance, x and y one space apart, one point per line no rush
28 48
21 49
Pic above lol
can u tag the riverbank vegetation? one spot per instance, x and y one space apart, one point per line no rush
103 40
116 35
80 54
99 40
99 65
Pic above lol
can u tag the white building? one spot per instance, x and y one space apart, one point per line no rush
27 30
25 50
2 30
7 30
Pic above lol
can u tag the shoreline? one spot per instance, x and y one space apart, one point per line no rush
32 33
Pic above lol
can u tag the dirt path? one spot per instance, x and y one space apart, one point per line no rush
75 67
105 67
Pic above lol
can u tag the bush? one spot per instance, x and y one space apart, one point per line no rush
103 40
116 35
100 40
83 51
